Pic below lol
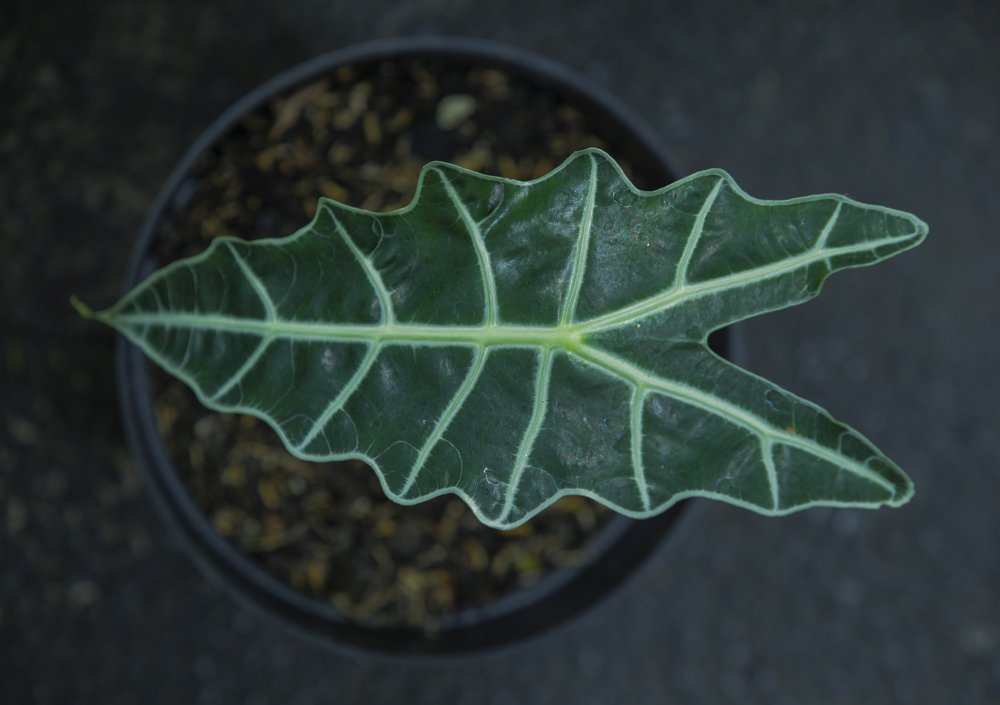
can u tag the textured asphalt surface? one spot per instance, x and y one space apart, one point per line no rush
897 104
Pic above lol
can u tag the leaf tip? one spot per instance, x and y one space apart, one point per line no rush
903 494
921 228
909 230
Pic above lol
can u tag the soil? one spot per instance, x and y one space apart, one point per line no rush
360 135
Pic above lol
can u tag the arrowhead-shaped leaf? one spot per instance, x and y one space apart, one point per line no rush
512 342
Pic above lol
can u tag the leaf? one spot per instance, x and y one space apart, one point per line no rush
513 342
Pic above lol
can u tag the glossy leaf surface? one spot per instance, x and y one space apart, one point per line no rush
516 341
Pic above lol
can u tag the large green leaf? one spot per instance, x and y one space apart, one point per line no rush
513 342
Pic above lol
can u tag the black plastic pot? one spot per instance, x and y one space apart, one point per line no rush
617 550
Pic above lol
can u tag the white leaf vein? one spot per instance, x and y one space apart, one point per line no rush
245 368
635 426
539 405
491 314
337 403
582 249
694 237
447 416
388 314
767 454
258 286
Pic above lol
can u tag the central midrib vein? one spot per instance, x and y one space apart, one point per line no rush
567 336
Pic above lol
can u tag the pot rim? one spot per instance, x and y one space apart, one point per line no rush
622 547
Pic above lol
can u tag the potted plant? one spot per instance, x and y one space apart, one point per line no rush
508 341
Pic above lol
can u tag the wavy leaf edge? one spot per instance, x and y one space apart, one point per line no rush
901 494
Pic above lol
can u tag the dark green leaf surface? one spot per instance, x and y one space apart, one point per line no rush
513 342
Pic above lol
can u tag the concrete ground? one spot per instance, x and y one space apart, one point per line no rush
896 103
